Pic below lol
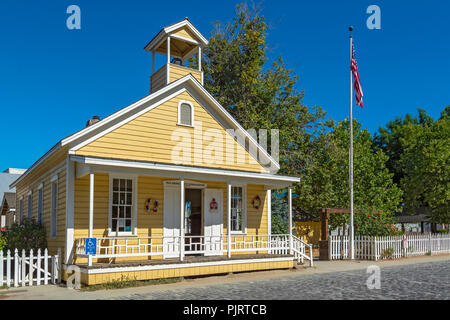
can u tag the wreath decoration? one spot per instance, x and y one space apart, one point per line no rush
148 205
256 202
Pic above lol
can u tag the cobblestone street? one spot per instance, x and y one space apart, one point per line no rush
416 281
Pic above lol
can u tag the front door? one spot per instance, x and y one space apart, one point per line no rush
213 221
171 242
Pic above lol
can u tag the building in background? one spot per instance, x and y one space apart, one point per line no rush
7 194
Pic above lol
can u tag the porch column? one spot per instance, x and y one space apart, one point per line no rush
229 220
290 219
91 210
269 219
182 205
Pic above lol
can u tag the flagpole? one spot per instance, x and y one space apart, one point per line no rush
352 241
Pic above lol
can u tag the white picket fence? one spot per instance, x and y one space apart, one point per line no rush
376 248
28 270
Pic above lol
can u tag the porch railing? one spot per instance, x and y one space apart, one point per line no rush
115 247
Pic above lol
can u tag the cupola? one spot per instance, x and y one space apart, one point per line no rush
178 42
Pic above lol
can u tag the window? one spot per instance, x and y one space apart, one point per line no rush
237 209
30 205
40 204
185 113
54 209
21 210
122 206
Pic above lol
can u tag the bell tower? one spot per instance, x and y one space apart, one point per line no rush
178 42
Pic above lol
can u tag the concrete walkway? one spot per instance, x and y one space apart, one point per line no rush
52 292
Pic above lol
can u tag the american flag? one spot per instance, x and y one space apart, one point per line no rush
358 89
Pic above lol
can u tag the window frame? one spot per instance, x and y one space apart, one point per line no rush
20 209
134 206
30 205
54 209
179 113
40 205
244 209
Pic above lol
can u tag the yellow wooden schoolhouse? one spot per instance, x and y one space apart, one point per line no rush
168 186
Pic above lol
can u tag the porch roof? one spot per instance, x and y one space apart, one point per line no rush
86 165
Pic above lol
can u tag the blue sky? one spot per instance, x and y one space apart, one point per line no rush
53 80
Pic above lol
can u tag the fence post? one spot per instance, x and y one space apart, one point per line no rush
45 266
53 262
30 269
429 243
23 268
8 268
58 267
1 268
330 257
375 248
38 267
16 268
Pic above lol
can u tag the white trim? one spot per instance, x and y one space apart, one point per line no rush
30 192
54 182
188 184
134 208
269 211
180 265
128 119
170 29
40 186
54 178
70 186
20 198
178 37
244 209
184 169
192 113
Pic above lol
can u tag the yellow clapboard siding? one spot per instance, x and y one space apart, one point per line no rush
149 138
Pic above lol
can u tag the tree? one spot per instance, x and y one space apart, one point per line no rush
280 223
425 161
259 94
389 139
325 184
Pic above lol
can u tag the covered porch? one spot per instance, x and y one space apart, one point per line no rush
178 243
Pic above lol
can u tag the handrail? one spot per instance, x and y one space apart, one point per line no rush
114 247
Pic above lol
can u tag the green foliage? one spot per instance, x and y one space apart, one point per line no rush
325 181
26 235
257 93
3 241
387 253
419 155
425 161
280 214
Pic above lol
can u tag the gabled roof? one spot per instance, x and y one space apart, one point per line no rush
5 180
9 198
170 29
84 136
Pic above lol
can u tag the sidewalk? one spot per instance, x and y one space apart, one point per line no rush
52 292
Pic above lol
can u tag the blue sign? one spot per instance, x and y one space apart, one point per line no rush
91 246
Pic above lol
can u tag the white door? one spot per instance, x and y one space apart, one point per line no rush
213 221
171 233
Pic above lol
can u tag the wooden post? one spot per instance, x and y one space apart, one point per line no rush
23 270
58 266
8 268
291 251
324 246
30 270
45 266
229 220
38 267
182 219
16 268
91 210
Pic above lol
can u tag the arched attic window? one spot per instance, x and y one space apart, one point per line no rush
185 114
